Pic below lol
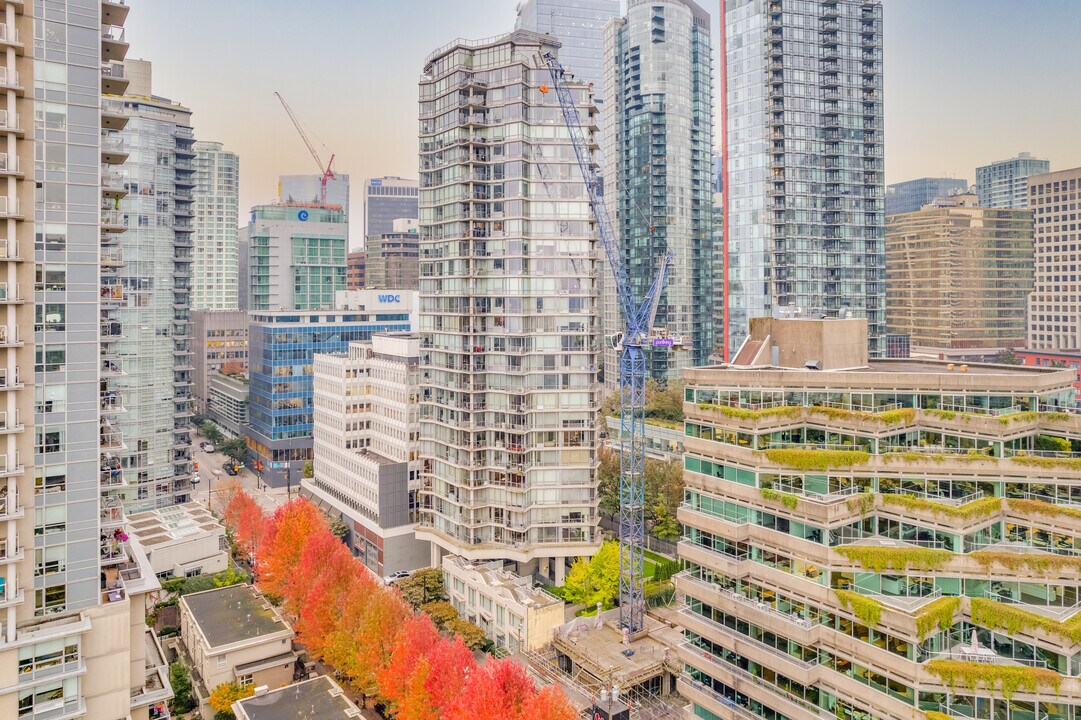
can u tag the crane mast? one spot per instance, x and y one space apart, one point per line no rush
326 172
638 320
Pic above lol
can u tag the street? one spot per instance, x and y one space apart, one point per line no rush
268 500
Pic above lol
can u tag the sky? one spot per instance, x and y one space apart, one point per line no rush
967 81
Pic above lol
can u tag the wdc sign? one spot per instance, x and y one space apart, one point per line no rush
390 298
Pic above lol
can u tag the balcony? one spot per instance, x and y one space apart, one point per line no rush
112 113
112 149
10 293
113 221
112 513
10 465
111 331
11 552
111 437
10 422
111 473
9 165
112 403
112 183
114 547
10 508
9 80
9 37
113 12
114 46
9 337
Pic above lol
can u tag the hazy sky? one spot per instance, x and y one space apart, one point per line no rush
967 81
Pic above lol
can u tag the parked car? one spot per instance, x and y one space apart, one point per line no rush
394 577
195 479
230 469
206 447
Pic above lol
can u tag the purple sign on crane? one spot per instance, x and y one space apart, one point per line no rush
663 342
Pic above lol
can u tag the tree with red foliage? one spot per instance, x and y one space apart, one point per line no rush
322 554
450 665
249 522
413 642
321 614
285 538
549 704
497 690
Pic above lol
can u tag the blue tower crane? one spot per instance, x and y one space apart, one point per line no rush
638 329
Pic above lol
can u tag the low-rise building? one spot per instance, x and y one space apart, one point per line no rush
365 404
1054 359
220 339
663 441
181 541
319 698
513 613
234 635
227 402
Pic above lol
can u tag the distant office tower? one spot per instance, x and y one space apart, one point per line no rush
393 257
217 187
1004 183
296 256
1054 310
73 590
305 189
911 195
579 27
356 269
509 331
657 155
281 350
385 200
220 339
366 441
804 151
958 276
151 298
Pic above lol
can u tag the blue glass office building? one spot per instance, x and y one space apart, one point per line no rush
281 350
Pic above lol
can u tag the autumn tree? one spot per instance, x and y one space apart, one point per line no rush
226 491
549 704
245 520
321 613
223 696
232 367
413 642
596 579
284 540
322 555
497 690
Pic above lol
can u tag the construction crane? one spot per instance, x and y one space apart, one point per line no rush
637 334
327 173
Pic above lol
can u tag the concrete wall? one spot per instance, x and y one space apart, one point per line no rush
833 343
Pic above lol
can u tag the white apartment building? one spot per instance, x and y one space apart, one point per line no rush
511 612
1054 307
366 447
508 311
217 201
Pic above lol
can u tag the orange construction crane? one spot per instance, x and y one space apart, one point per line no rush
327 173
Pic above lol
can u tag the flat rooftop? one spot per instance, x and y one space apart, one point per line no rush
316 699
600 651
178 522
233 614
519 588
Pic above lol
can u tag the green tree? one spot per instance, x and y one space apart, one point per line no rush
594 580
608 477
180 679
441 612
308 471
338 527
665 525
223 696
473 637
664 489
211 432
423 586
1007 357
665 403
235 449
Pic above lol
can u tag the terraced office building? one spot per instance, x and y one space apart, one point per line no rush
878 539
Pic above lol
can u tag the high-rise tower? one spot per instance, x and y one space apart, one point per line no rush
658 147
803 140
508 319
217 187
73 642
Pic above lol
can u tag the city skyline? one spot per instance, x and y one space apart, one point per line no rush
985 44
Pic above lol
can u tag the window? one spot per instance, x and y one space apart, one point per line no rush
50 600
48 441
246 680
51 358
52 479
221 662
51 699
50 560
48 654
50 520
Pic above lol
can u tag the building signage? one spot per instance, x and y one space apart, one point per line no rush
663 342
302 215
390 298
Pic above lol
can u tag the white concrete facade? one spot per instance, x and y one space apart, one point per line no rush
217 201
366 431
1054 307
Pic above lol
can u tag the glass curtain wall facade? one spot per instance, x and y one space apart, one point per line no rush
281 350
1004 183
911 195
217 187
579 27
508 321
296 256
658 162
805 161
387 199
152 297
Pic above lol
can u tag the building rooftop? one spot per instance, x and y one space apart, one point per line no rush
519 588
233 614
177 522
316 699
